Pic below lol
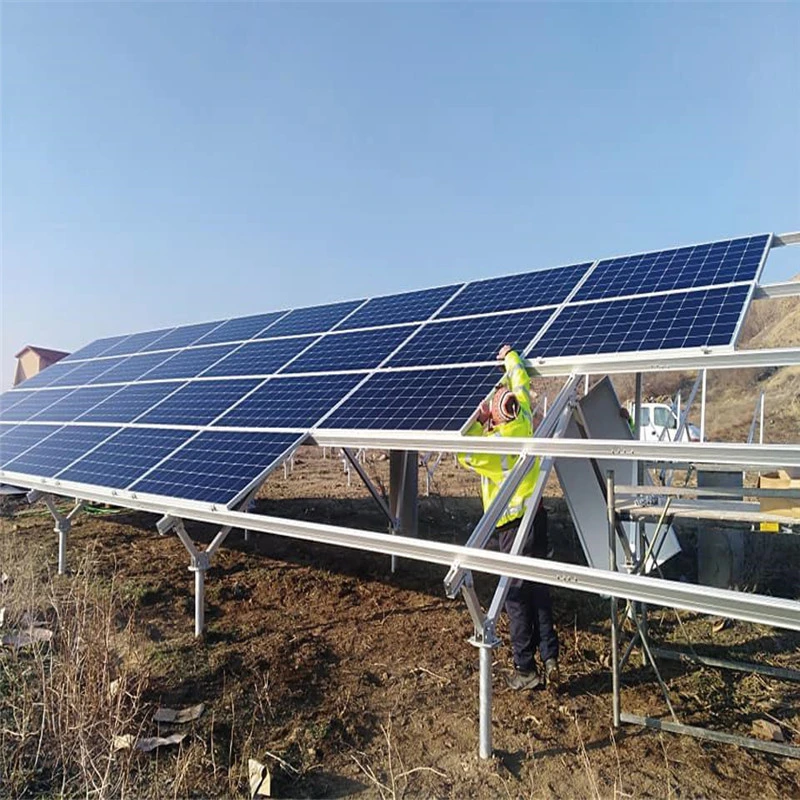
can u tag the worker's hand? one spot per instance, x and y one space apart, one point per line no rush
484 412
503 352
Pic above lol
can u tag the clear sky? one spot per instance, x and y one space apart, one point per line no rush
175 163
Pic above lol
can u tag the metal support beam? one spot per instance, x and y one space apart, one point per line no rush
404 493
62 527
376 495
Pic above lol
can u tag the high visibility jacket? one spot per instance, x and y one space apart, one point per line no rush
493 467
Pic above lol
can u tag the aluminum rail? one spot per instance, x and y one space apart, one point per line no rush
781 239
672 594
773 291
771 455
622 363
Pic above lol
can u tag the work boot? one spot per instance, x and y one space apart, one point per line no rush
523 679
551 672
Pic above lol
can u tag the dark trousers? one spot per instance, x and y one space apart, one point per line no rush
528 605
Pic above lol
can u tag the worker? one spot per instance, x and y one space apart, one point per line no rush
528 605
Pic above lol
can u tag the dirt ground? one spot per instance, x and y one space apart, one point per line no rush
348 680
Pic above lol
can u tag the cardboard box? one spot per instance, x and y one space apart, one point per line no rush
783 506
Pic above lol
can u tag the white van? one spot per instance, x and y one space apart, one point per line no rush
660 424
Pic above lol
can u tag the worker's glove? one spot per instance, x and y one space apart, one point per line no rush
484 412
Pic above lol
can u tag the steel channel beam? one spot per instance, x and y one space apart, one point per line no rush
671 594
776 290
770 455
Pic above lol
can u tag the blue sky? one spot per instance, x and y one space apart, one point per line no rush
174 163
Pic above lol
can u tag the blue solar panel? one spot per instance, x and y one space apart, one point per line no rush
18 439
182 337
129 402
439 399
125 457
261 358
315 319
468 340
49 375
136 342
74 403
132 367
189 363
33 404
395 308
55 452
86 372
96 348
241 328
682 268
543 288
11 398
356 350
217 466
680 320
290 402
198 403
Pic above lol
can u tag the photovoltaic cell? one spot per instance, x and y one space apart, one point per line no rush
394 308
217 466
357 350
260 358
468 340
75 403
542 288
198 403
95 348
125 457
20 438
33 404
440 399
132 368
241 328
290 402
189 363
681 268
86 372
52 454
136 343
681 320
129 402
315 319
181 337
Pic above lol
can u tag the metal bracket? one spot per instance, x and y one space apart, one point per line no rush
63 524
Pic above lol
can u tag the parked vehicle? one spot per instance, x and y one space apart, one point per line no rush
660 424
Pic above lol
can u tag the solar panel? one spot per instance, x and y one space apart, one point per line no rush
241 329
125 457
19 438
398 308
132 367
86 372
95 348
33 404
531 289
11 398
469 340
290 402
198 403
189 363
136 343
683 268
261 358
182 337
358 350
696 318
49 375
437 399
56 451
218 466
129 402
315 319
74 403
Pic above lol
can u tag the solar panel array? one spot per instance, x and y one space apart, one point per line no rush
203 412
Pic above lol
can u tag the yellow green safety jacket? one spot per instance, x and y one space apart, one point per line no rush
493 467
